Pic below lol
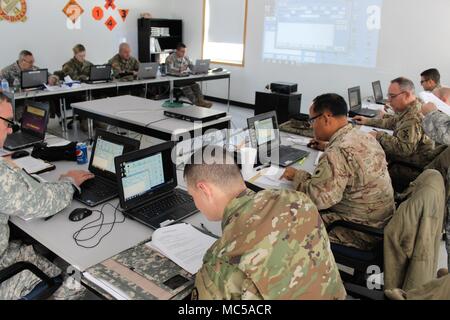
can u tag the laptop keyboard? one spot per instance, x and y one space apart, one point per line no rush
291 154
23 139
98 188
163 205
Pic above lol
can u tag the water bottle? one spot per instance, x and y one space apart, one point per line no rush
16 84
5 85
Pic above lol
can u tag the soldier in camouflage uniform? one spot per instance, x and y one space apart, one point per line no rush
23 196
438 289
78 68
351 181
178 63
124 66
409 150
274 244
437 125
13 74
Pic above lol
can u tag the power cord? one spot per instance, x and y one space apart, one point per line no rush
91 225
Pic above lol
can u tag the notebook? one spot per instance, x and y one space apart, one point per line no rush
33 165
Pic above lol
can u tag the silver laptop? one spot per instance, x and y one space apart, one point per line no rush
201 66
378 93
355 104
195 114
148 70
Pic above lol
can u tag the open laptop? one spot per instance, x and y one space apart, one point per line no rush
195 114
100 73
148 70
32 127
265 136
103 187
201 66
148 190
34 79
355 104
378 93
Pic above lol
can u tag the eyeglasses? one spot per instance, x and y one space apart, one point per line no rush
393 96
423 81
313 119
10 123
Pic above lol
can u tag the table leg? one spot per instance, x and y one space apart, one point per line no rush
171 85
91 129
62 110
229 93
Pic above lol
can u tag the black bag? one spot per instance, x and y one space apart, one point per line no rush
51 154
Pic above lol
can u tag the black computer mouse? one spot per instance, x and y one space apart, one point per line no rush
79 214
20 154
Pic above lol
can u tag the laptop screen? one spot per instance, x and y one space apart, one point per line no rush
34 120
263 129
354 97
377 91
108 146
145 173
34 78
105 152
100 73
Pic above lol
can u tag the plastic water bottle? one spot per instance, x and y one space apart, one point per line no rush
5 85
16 84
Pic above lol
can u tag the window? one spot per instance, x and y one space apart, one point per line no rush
224 31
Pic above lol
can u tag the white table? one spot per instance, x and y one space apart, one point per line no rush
56 233
143 116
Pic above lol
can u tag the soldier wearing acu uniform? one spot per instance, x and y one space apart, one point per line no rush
437 125
23 196
409 150
178 63
78 68
274 244
351 181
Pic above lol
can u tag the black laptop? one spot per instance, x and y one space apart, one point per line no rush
265 137
103 187
100 74
148 192
195 114
32 127
355 104
34 79
378 93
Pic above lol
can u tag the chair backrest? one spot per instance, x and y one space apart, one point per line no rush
412 237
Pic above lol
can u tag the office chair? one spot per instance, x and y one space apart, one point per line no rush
43 290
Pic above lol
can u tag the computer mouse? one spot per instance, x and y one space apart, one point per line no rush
79 214
20 154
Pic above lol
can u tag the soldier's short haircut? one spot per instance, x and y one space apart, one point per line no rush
181 45
213 164
432 74
405 84
123 45
78 48
23 54
331 102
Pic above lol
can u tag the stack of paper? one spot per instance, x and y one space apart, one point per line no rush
441 105
271 177
108 287
33 165
372 129
183 244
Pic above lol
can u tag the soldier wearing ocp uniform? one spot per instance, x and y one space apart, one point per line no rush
78 68
124 66
273 245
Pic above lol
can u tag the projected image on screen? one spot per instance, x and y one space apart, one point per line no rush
340 32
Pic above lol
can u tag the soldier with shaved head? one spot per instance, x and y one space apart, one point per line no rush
274 244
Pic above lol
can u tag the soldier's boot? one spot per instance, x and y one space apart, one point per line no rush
188 93
395 294
201 102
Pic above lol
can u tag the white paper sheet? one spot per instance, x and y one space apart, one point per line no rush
270 177
441 105
183 244
32 165
368 129
108 287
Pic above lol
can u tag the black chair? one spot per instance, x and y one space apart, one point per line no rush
43 290
357 259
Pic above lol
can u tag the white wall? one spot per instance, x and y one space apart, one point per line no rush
414 37
46 35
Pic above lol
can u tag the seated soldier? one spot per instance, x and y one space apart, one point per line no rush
409 150
78 68
351 181
274 244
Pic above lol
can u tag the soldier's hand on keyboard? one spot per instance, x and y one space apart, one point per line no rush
317 144
78 176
